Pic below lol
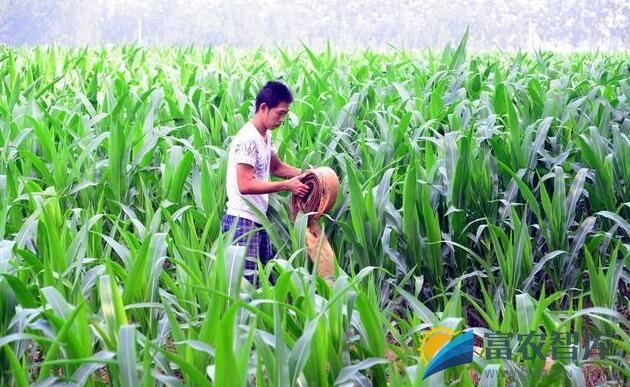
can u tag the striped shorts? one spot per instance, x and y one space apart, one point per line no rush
258 244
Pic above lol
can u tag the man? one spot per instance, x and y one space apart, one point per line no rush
251 159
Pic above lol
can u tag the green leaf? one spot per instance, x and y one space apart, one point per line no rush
23 295
127 355
20 377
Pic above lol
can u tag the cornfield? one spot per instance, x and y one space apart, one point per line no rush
488 192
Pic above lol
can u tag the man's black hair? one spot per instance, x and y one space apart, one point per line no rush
272 94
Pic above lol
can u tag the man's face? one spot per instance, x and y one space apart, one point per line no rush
274 117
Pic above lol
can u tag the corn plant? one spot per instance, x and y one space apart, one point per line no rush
486 192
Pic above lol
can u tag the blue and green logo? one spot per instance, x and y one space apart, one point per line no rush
442 348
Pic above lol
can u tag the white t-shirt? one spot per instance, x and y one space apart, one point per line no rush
248 147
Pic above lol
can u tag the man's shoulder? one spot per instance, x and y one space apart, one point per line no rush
245 133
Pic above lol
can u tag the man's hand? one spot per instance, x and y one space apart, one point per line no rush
249 185
295 186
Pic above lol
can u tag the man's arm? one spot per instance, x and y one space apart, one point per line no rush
280 169
249 185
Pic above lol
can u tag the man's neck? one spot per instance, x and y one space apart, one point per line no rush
260 127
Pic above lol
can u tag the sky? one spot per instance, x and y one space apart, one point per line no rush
563 25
